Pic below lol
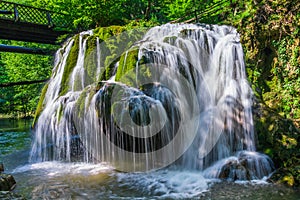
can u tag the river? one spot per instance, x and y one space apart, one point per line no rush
59 180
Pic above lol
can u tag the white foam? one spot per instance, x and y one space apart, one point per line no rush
58 168
166 184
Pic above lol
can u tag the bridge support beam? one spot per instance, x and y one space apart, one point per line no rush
22 31
22 83
26 50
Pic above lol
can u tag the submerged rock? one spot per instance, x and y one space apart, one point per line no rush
7 195
7 181
245 165
7 184
1 167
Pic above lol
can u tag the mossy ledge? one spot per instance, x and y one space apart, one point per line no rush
40 105
115 41
90 60
70 64
128 62
80 103
105 33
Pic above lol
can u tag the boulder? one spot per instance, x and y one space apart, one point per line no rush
7 182
1 167
235 170
8 195
246 165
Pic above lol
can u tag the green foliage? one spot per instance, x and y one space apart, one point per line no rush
87 14
22 100
279 138
287 71
271 46
178 8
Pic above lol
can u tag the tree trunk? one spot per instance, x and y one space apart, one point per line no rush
148 10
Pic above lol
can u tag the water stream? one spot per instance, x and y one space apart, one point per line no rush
61 180
171 121
186 101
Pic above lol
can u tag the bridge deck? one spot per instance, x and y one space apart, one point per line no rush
26 23
27 32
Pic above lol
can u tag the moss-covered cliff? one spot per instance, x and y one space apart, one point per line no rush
111 42
269 32
270 36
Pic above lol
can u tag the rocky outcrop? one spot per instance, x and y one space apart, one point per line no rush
235 170
7 181
7 184
270 37
245 165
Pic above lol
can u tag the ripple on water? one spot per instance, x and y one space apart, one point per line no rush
101 180
57 180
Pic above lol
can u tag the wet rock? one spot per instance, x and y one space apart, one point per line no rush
7 195
245 165
235 170
7 182
249 191
1 167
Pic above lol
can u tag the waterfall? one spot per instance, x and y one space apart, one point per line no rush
178 96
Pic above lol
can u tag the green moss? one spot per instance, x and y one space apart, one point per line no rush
115 40
40 105
80 103
105 33
127 63
60 112
170 40
90 60
272 58
278 137
92 93
109 64
110 48
70 64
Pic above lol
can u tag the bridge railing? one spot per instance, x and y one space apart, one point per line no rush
206 13
21 13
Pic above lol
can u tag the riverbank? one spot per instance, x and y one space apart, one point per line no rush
78 179
250 191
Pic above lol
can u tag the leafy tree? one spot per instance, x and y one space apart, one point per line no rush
21 67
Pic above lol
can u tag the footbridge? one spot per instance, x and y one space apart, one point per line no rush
29 24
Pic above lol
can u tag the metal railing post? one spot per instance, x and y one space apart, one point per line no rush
49 18
16 13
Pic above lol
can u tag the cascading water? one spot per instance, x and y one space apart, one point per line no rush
179 95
